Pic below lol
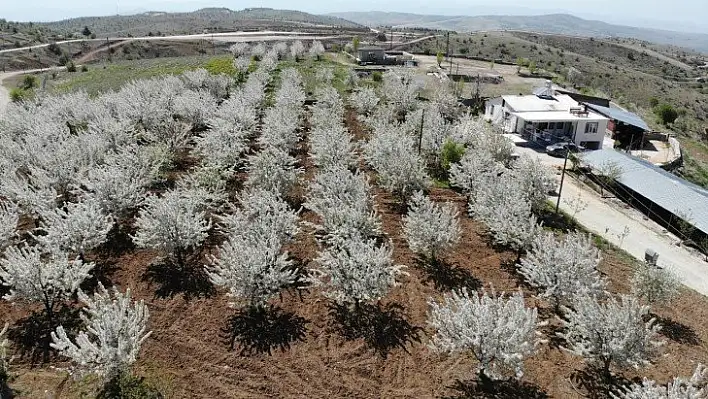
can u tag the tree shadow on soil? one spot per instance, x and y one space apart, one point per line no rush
511 266
557 222
551 330
101 273
383 327
189 280
259 330
31 334
118 241
6 392
448 277
595 384
507 389
677 332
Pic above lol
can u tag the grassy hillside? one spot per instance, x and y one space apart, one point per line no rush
615 53
21 34
555 23
211 19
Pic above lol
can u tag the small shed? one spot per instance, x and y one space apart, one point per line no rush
370 55
584 98
626 127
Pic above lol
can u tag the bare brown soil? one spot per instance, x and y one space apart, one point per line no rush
189 355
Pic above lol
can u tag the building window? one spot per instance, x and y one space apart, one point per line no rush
591 127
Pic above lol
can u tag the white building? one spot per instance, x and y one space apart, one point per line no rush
548 117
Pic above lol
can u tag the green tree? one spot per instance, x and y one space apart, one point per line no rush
439 58
86 32
450 153
532 67
667 114
355 43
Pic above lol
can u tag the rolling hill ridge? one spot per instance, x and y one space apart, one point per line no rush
553 23
213 19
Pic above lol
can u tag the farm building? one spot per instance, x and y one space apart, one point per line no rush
626 127
370 55
663 197
546 117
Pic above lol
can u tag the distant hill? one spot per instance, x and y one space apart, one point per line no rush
212 19
555 23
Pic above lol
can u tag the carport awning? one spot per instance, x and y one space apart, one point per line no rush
620 115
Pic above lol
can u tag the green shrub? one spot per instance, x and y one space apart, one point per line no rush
29 82
451 153
18 94
667 114
64 59
377 76
54 48
70 67
84 68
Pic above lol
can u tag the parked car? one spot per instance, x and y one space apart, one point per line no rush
560 149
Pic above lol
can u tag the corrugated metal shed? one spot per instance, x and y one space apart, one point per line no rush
619 115
655 184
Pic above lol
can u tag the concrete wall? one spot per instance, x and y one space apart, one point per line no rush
588 139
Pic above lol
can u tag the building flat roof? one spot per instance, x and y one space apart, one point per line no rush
532 103
555 116
620 115
657 185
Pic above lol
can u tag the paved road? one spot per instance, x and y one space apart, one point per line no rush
609 217
224 37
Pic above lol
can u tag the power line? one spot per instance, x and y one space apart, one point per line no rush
650 212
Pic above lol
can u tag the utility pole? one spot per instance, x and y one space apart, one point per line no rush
560 189
565 164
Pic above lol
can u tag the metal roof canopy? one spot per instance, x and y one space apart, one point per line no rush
620 115
657 185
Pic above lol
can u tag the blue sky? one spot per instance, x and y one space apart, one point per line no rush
684 15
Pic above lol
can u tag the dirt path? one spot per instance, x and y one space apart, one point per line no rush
655 54
420 39
89 56
608 218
